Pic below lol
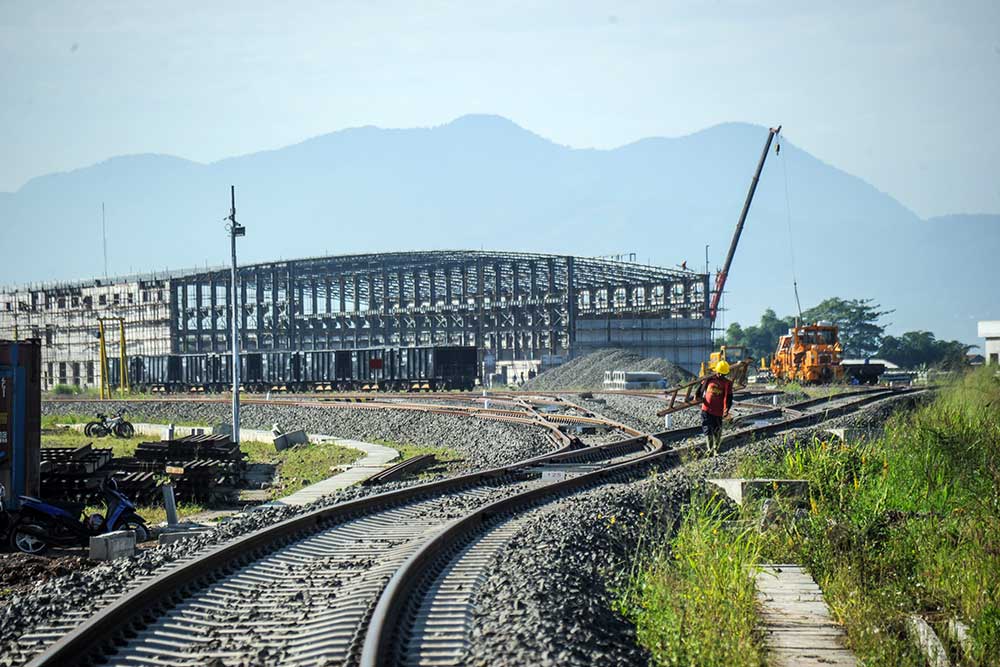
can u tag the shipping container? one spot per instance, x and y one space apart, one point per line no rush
20 418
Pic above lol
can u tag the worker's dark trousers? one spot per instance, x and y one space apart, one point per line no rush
711 427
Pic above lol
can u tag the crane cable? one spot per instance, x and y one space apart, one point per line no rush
791 244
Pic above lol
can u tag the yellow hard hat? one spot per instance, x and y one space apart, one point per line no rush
722 368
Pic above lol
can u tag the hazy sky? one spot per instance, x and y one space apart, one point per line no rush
903 94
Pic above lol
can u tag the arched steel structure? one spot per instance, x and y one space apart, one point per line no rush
515 305
512 306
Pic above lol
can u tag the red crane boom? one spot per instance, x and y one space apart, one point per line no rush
720 278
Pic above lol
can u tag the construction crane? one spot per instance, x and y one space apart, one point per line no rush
720 278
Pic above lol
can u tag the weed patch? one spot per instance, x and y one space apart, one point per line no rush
908 522
692 600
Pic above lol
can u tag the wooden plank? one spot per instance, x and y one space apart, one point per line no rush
799 629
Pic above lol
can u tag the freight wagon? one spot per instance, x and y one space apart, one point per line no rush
371 369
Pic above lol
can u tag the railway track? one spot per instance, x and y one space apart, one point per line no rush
424 616
386 579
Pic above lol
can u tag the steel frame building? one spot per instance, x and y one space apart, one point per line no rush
512 306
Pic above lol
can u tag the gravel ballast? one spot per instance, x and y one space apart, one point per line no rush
86 591
639 412
485 444
548 597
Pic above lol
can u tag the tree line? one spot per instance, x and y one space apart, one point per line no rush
861 335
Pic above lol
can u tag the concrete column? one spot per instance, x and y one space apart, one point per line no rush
571 304
176 325
214 347
294 294
258 281
197 305
242 305
274 309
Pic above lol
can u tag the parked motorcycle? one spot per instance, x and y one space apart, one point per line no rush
41 524
105 425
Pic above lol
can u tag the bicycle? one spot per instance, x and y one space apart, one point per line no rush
117 426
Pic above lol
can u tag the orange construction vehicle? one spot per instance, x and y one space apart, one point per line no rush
809 354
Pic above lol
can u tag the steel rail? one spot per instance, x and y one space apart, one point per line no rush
394 472
387 622
111 623
101 630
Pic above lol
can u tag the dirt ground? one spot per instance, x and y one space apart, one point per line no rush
20 572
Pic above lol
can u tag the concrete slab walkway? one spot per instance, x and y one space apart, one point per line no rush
375 459
799 629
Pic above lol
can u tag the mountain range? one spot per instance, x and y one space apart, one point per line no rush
484 182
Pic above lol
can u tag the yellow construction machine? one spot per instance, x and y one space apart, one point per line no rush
809 354
736 357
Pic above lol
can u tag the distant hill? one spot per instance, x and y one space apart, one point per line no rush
482 181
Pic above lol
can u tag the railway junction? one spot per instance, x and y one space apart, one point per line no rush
507 561
520 554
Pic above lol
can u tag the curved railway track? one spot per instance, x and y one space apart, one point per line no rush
382 580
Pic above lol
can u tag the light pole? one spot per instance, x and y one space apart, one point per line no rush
235 229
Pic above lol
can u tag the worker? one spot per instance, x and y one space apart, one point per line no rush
716 395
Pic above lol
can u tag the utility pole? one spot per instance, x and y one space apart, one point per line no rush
235 229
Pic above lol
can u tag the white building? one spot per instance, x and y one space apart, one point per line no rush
990 330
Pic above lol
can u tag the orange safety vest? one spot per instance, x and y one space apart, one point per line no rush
717 395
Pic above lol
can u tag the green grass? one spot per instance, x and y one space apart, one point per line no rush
66 437
692 599
906 523
446 459
299 467
52 421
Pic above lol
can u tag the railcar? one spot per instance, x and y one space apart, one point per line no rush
368 369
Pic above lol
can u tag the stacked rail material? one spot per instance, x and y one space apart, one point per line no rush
140 486
192 447
198 464
137 479
73 475
200 479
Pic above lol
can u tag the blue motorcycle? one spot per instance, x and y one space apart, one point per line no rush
41 524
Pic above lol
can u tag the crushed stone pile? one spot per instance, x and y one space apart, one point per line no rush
587 372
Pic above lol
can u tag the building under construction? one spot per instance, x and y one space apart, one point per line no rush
518 309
